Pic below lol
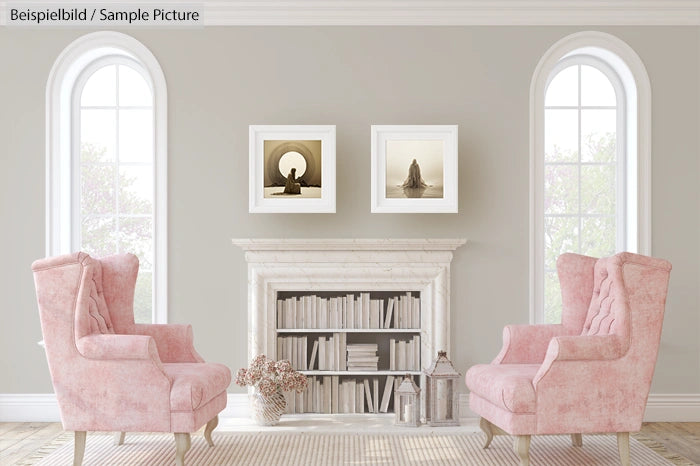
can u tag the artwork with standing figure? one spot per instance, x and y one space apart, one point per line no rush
414 180
402 154
414 168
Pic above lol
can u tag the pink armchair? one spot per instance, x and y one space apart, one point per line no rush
592 372
111 374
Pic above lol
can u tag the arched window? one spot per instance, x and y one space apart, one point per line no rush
590 104
106 159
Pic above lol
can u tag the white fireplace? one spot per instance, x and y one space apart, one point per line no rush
417 265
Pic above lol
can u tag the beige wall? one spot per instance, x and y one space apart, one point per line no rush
220 80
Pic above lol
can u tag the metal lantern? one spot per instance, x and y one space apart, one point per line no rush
442 396
407 403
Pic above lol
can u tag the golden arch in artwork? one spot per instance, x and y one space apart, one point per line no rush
312 156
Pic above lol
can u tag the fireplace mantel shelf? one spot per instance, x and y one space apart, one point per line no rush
359 244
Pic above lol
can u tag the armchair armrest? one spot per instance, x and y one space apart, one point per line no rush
527 344
569 351
118 347
585 348
116 383
175 342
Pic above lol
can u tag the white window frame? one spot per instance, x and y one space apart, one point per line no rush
635 139
61 142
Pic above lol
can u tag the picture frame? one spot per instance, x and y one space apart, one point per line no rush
292 169
414 168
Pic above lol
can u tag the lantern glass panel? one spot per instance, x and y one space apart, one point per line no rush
445 393
406 409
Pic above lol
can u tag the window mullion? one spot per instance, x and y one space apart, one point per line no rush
117 225
580 219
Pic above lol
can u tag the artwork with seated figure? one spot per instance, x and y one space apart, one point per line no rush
292 169
291 186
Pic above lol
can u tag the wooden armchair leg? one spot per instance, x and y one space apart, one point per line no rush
577 440
623 446
211 425
521 445
487 428
119 438
79 447
182 444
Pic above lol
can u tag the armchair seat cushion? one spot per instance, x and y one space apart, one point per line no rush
508 386
195 384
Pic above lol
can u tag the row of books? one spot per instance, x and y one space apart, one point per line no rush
348 311
331 395
404 355
295 350
327 353
335 354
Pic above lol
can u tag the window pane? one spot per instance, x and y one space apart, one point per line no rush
133 89
116 162
598 135
563 88
143 295
598 236
560 135
552 298
98 235
97 189
598 189
596 88
136 136
135 189
98 128
135 235
560 236
101 88
561 189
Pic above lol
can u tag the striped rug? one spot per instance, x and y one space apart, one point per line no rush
305 449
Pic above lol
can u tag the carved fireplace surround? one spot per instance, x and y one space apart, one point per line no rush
421 265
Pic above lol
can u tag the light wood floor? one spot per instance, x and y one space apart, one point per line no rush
20 439
682 438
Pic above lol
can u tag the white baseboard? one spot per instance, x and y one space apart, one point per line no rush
673 408
39 407
42 407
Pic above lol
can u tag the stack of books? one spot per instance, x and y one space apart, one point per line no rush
362 356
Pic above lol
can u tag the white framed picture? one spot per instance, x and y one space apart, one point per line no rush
414 168
292 168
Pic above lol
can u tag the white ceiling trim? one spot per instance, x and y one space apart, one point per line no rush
428 12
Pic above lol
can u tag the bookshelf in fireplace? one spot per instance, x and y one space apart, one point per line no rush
354 347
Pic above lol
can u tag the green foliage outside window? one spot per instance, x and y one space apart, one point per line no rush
114 218
580 209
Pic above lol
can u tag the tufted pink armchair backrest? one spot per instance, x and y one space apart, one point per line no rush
71 300
608 312
92 315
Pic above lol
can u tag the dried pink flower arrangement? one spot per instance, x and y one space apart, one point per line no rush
268 376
